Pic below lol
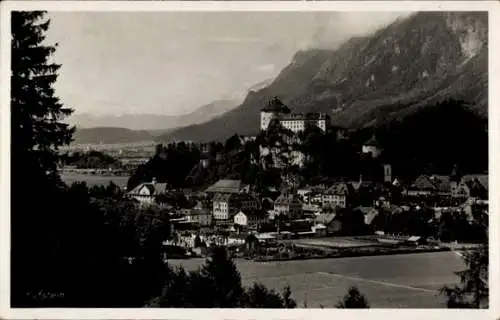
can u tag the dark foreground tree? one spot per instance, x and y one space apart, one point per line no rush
66 250
473 290
217 284
37 131
353 300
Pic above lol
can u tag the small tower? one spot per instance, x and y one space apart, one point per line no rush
455 175
274 109
387 173
372 146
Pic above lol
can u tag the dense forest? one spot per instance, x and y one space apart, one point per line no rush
90 160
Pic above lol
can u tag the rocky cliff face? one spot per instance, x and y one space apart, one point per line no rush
412 63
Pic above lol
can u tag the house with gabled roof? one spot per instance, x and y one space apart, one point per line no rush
442 183
456 187
369 213
247 218
476 186
148 192
422 186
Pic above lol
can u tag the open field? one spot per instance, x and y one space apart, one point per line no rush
395 281
91 180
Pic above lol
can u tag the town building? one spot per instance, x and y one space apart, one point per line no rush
201 217
295 122
422 186
288 204
204 160
460 187
472 186
303 192
250 218
147 193
336 196
372 146
369 213
226 206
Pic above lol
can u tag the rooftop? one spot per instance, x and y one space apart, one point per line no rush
222 197
481 178
304 116
225 186
275 105
287 199
372 142
338 189
154 188
254 213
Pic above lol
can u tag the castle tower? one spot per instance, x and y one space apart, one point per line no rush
274 109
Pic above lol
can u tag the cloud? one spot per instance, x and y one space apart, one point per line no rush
227 40
267 68
337 28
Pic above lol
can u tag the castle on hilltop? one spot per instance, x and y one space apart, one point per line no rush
276 110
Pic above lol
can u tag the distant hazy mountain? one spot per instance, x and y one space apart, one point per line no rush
110 135
154 121
410 64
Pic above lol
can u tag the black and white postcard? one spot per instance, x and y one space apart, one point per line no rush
286 159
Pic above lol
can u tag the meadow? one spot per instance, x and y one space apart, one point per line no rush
393 281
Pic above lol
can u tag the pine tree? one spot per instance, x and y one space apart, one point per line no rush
353 300
221 278
37 114
258 296
473 290
37 131
288 302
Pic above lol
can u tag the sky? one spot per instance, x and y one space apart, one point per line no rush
171 63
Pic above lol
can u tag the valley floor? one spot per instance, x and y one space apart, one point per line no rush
395 281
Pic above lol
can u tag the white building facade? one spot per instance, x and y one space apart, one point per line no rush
295 122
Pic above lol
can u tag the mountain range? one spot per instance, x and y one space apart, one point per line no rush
128 128
410 64
154 121
110 135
